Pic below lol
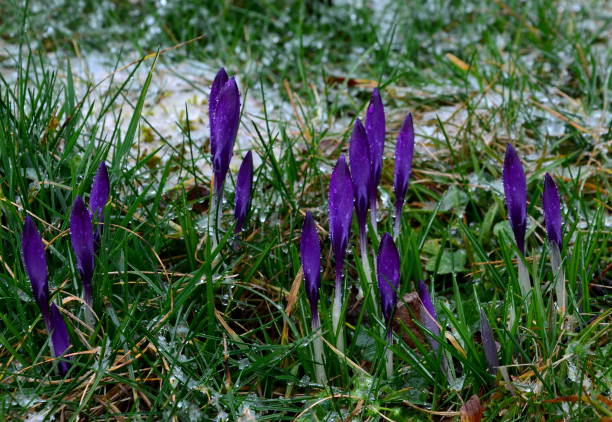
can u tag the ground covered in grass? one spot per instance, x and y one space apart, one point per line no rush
184 330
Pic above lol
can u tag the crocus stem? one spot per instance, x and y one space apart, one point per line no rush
389 353
398 222
336 313
365 262
373 216
215 210
317 345
523 278
555 258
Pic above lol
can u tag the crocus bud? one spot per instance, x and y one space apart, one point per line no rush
226 117
244 185
388 269
82 236
488 343
515 190
310 254
100 189
36 266
552 211
429 318
340 211
375 128
220 80
359 156
404 151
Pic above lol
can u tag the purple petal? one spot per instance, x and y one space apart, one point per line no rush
429 317
36 265
404 151
244 184
81 234
227 119
100 189
375 128
488 343
340 210
359 156
552 210
220 80
515 189
59 338
388 271
310 254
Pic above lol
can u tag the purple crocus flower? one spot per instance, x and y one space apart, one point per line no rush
340 212
224 110
375 128
515 190
429 318
36 266
100 189
82 236
244 185
359 156
403 167
488 343
388 269
310 254
552 211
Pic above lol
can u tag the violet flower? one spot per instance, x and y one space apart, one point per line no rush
404 151
340 216
488 343
388 268
100 189
310 254
36 266
375 128
82 236
359 156
552 217
429 319
244 185
515 190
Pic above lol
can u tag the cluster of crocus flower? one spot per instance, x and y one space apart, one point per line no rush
354 186
83 240
515 191
224 116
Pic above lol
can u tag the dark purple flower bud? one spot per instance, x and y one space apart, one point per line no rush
404 151
388 269
59 337
429 318
36 265
488 343
359 156
515 190
244 185
220 80
100 189
552 211
340 211
310 254
227 119
81 234
375 128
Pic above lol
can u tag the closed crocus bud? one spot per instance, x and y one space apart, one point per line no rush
404 152
359 156
244 185
100 189
552 211
340 211
375 128
488 343
82 237
226 116
310 254
429 318
388 269
220 80
36 268
515 190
